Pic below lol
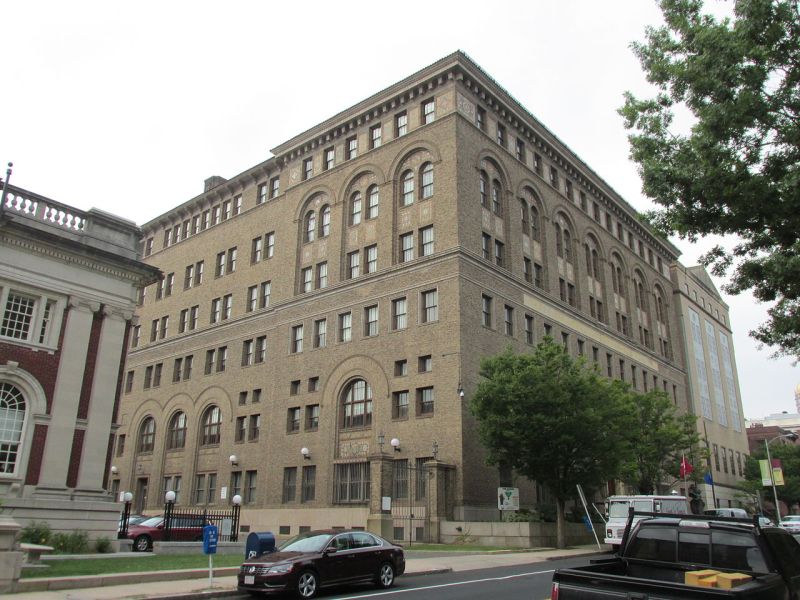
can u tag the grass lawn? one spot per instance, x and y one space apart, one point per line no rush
101 566
459 548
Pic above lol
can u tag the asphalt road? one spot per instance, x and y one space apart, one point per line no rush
529 582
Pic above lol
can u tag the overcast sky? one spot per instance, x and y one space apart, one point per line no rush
128 107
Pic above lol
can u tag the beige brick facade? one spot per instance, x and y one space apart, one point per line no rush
447 248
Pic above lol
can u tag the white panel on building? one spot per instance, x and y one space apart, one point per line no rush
716 376
700 364
733 399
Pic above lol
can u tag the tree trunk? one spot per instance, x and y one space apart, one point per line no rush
561 525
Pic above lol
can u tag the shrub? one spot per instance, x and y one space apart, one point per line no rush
75 542
103 545
36 532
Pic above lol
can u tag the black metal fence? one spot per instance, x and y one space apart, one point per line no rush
186 524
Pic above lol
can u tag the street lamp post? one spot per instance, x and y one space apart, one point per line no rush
791 436
237 507
169 505
127 498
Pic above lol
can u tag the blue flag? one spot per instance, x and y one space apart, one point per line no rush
708 479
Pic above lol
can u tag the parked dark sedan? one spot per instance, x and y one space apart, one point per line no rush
318 559
183 529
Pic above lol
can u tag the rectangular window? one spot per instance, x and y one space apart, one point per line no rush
486 244
153 330
216 308
194 316
261 349
136 335
129 382
264 292
254 428
247 353
307 277
400 368
486 310
583 201
322 275
219 265
289 484
250 486
371 321
297 339
293 419
313 384
330 157
480 118
188 277
352 147
239 429
537 163
345 327
222 358
529 339
252 298
508 317
520 150
206 222
501 135
274 187
308 168
428 111
320 333
269 245
499 253
527 269
554 177
425 364
351 483
226 210
371 259
430 306
426 240
353 264
256 250
425 401
216 215
406 247
312 417
568 189
400 124
375 136
400 405
399 314
308 488
227 306
148 247
199 489
261 195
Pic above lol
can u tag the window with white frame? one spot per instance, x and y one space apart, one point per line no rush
29 317
428 111
430 306
399 313
406 247
427 180
355 208
426 241
12 420
407 198
372 202
353 264
371 321
371 259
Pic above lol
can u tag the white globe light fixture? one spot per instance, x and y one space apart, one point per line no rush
170 496
237 500
395 444
127 497
306 453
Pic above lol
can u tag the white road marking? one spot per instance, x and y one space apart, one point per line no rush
444 585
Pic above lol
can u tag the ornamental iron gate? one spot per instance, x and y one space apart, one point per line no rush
410 506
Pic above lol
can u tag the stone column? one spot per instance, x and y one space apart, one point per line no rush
66 396
379 521
101 402
10 557
440 508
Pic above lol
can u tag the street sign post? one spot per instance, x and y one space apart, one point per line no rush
210 537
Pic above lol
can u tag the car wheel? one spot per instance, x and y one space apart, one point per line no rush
142 543
385 575
307 584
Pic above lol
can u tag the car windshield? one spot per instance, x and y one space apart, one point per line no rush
151 522
618 510
791 518
306 542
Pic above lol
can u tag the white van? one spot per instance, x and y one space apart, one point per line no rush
730 513
617 511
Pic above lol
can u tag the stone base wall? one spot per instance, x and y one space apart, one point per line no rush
97 518
512 535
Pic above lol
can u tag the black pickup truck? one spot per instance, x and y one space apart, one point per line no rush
657 552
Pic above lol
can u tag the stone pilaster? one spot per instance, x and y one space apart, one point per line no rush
101 407
66 396
440 508
379 521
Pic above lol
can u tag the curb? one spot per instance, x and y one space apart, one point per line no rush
581 555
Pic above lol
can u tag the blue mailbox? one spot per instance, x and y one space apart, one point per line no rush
210 537
258 543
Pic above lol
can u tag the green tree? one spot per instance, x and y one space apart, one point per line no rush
789 455
659 438
553 420
737 171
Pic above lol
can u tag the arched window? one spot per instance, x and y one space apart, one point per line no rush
355 208
567 245
523 215
639 293
147 435
408 189
592 259
372 202
325 221
357 405
483 184
617 278
309 226
497 204
535 224
176 434
12 418
427 180
559 242
212 425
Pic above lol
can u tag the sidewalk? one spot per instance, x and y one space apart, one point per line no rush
134 585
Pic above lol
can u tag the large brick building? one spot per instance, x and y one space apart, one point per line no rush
341 294
68 285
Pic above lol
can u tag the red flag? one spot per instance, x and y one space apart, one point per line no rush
686 467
